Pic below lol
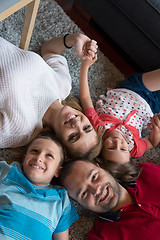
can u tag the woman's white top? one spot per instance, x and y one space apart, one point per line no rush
29 84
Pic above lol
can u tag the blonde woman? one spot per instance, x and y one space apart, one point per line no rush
32 91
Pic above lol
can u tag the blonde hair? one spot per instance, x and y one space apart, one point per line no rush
45 133
73 102
90 154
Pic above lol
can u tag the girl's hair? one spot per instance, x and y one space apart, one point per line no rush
123 173
90 154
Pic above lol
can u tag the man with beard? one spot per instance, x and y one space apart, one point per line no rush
127 198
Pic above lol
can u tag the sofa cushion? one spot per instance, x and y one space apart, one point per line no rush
155 4
144 14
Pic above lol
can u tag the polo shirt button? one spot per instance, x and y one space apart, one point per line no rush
139 204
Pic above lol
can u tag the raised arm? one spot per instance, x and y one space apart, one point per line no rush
154 139
56 45
151 80
86 62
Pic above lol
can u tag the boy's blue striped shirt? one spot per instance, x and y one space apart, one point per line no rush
30 212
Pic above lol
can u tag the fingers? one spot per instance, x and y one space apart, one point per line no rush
100 131
90 48
149 125
155 120
80 43
92 45
84 46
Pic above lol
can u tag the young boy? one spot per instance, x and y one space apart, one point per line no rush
30 207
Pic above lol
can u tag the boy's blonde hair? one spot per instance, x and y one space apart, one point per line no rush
45 133
48 134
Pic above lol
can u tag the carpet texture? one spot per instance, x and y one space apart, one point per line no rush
51 22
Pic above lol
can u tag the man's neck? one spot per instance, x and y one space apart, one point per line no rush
125 199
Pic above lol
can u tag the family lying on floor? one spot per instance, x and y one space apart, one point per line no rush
86 154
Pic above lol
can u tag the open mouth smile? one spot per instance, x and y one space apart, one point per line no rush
104 195
36 166
69 117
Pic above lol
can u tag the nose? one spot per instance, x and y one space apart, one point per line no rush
117 143
94 189
75 122
39 158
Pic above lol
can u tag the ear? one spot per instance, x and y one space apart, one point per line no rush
57 174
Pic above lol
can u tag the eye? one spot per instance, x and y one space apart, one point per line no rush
123 149
34 150
84 194
94 177
73 137
87 127
50 155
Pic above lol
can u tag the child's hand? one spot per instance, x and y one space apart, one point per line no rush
155 122
154 126
89 53
87 61
101 130
90 49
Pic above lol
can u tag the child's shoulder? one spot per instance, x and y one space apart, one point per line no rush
61 191
5 165
5 168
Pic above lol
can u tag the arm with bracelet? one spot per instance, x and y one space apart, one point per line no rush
58 45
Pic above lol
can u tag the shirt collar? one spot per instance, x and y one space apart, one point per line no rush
115 216
17 178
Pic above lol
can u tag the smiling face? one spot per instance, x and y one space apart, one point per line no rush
75 130
115 148
93 187
42 161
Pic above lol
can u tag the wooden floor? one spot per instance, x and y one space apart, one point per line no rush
91 29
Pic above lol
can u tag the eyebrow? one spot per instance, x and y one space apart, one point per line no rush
37 148
112 149
89 174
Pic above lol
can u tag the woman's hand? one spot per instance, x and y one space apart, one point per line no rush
84 46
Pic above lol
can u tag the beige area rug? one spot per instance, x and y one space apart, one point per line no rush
52 22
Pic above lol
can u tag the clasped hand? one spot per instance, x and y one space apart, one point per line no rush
85 47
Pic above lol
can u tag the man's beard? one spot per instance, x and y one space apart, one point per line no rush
114 201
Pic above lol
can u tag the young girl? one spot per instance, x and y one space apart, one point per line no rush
31 207
122 113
